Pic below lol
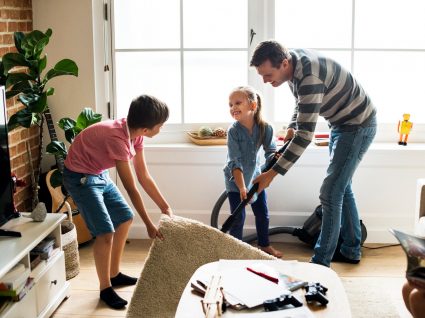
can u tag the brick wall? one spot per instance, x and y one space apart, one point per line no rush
16 15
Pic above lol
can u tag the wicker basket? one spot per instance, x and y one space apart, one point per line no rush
70 246
206 141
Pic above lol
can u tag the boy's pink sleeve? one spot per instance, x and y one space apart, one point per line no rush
138 143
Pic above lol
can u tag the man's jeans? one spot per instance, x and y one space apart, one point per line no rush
347 146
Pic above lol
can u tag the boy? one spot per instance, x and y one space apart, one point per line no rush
113 143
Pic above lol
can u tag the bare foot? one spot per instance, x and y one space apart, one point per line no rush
270 250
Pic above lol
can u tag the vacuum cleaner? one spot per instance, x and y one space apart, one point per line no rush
308 233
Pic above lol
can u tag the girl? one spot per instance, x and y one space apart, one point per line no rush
245 137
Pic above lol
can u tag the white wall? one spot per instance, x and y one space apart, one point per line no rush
77 35
191 179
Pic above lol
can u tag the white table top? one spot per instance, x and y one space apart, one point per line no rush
338 306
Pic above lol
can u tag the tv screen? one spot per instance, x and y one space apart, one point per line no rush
7 210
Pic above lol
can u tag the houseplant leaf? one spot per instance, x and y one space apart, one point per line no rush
15 78
21 87
68 125
10 60
34 43
3 77
56 179
86 118
57 148
23 118
18 36
63 67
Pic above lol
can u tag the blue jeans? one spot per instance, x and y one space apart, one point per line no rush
259 207
101 204
347 147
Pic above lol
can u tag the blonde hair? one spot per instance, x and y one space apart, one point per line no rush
253 96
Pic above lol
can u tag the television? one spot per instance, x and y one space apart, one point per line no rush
7 208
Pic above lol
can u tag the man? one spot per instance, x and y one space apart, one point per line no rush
323 87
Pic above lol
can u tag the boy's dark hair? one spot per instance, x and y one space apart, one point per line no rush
269 50
146 112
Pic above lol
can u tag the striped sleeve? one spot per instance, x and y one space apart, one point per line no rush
310 97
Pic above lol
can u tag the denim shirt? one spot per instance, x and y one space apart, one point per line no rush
243 153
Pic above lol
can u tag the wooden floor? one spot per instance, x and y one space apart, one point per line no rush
387 262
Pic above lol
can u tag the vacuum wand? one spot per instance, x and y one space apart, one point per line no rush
231 219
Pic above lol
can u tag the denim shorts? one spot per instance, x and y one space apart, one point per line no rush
98 199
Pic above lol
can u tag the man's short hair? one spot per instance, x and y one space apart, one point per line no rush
146 112
269 50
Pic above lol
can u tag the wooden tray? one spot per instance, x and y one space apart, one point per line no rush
206 141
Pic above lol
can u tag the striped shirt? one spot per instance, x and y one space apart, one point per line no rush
322 87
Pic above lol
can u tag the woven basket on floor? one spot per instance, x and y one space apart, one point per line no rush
70 246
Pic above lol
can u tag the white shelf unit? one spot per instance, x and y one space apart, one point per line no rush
50 286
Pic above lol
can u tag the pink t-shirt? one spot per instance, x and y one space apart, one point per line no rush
96 148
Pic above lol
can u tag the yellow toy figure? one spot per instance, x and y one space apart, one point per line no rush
404 128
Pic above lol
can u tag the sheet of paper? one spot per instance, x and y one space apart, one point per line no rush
252 290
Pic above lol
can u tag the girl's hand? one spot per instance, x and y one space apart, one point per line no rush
243 193
153 232
277 155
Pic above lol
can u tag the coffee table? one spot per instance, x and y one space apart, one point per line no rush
338 306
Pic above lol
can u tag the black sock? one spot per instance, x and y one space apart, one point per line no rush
340 258
123 280
111 298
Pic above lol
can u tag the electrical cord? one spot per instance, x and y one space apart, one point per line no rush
378 247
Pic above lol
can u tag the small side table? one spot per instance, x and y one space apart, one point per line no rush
338 306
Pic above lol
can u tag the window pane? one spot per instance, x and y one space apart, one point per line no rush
153 73
313 24
390 24
215 24
395 83
209 78
284 100
146 24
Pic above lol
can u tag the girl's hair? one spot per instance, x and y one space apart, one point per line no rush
253 96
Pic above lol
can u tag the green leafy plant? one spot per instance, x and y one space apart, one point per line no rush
71 129
29 81
24 74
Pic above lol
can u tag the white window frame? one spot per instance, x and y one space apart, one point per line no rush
261 20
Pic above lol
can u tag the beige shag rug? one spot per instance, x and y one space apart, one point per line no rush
188 244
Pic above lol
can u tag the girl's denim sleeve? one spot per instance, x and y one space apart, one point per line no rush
234 152
269 144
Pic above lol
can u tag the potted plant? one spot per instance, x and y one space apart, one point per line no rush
24 74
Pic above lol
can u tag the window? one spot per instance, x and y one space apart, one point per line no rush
189 55
192 53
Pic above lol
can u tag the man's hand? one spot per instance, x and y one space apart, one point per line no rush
264 180
153 232
290 133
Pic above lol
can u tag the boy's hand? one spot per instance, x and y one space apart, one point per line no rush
153 232
168 212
